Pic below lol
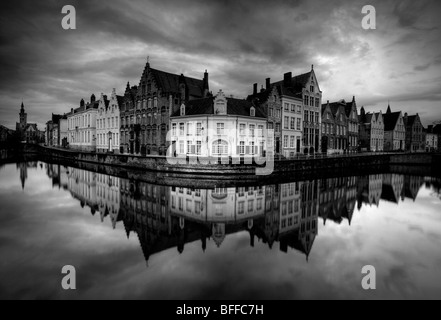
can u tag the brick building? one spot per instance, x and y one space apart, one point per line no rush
146 109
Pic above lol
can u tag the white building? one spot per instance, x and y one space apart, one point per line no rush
219 127
107 123
431 141
292 125
82 126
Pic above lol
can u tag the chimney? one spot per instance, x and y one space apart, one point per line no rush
206 86
268 83
287 79
255 89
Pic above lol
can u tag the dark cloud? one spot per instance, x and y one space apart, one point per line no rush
239 42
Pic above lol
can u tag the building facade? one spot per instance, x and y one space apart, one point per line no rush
82 126
218 127
415 136
336 136
108 123
291 91
269 100
146 109
431 140
371 131
394 131
353 126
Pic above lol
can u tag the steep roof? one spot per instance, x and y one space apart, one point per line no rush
411 120
120 100
390 120
169 82
206 106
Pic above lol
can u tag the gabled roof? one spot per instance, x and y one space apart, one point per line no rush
297 83
169 82
120 100
206 106
411 120
390 120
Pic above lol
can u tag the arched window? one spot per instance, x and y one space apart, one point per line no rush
220 147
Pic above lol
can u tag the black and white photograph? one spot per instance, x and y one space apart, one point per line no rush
201 152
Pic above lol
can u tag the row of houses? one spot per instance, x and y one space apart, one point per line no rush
285 213
174 113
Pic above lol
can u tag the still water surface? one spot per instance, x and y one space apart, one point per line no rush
300 240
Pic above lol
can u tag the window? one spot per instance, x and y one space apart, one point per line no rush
306 116
293 108
197 207
174 129
292 142
188 147
188 205
299 124
316 117
311 89
242 129
198 129
305 100
252 112
260 131
220 147
259 204
299 109
181 147
311 101
250 205
220 128
285 141
286 106
252 130
241 208
278 114
198 147
293 123
181 129
286 123
312 117
242 148
189 129
317 102
271 112
270 126
277 127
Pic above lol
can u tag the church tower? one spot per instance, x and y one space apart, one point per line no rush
23 117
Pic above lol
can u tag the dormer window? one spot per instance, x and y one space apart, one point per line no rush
182 110
220 104
252 112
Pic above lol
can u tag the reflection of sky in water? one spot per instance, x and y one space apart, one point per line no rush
43 228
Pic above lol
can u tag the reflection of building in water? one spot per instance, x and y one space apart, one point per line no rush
412 185
219 206
369 190
337 199
309 217
108 196
23 167
272 213
290 207
392 187
351 196
58 174
82 186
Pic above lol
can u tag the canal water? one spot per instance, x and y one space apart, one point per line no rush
129 239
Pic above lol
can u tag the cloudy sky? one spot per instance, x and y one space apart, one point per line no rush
239 42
